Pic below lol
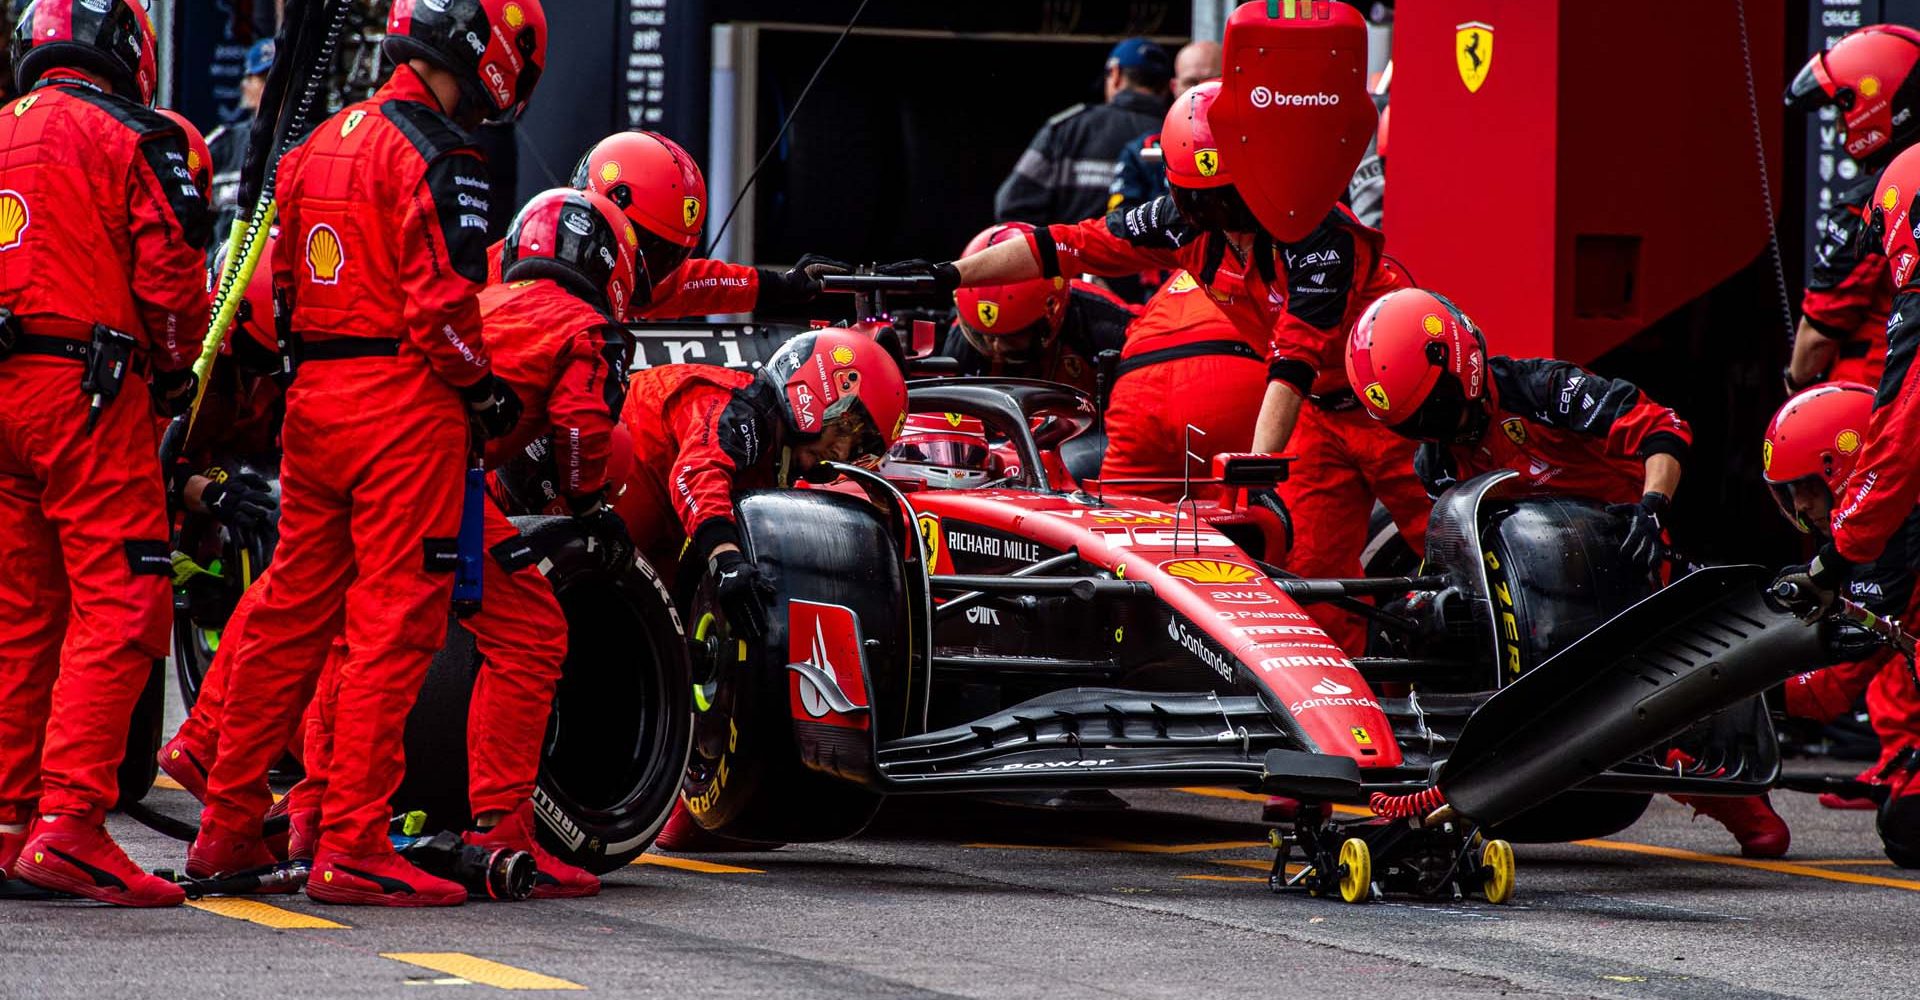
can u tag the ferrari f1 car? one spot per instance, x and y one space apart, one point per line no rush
1022 628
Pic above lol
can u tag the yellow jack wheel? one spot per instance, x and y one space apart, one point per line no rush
1356 870
1496 865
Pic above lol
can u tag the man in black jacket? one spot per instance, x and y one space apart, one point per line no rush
1067 168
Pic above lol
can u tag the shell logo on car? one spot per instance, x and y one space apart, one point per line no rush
1209 571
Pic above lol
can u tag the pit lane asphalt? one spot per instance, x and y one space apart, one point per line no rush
959 898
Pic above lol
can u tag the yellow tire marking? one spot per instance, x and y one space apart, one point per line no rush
480 970
265 914
695 865
1777 867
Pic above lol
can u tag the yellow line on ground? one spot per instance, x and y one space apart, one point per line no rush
1127 847
480 970
1240 796
1256 865
265 914
162 781
1777 867
1222 878
694 865
1846 862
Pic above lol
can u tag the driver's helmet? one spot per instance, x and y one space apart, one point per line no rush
942 451
1869 76
1419 364
1817 435
826 375
1015 322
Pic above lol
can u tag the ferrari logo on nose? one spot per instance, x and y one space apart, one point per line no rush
1473 51
1207 161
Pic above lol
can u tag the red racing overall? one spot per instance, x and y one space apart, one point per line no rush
381 253
99 223
1850 292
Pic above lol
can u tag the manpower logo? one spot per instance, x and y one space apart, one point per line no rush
1266 97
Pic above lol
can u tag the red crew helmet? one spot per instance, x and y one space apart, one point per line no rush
827 374
1816 436
1868 75
658 185
1197 176
1419 364
1013 322
583 242
111 39
496 48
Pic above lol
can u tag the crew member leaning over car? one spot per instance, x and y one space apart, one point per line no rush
701 432
662 191
1810 449
1422 369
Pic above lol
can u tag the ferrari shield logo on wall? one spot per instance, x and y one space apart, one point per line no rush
1473 50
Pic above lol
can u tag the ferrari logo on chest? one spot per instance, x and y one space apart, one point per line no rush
1515 429
1473 51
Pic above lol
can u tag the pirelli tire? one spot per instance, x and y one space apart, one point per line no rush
617 740
746 778
1554 564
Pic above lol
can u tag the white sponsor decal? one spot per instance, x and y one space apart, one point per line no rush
1329 686
983 616
1265 97
993 548
1044 765
1243 597
1273 663
1198 647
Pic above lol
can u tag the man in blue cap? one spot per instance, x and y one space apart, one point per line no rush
1065 172
228 143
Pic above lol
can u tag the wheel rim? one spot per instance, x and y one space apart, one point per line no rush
1497 865
607 738
1356 870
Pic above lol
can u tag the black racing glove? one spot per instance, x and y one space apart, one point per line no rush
1643 548
1810 591
244 500
493 406
742 593
946 277
1269 500
799 283
607 536
173 391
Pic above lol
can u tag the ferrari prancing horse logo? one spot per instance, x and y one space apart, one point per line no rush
989 314
1473 51
690 212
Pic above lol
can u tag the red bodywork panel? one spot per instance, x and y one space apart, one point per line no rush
1593 172
1201 574
826 636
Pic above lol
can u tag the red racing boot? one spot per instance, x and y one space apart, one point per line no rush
214 854
682 835
384 879
303 834
1750 818
556 878
187 765
69 854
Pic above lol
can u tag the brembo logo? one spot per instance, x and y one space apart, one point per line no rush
1263 97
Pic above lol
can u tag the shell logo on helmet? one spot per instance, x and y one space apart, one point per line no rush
1377 396
1209 571
325 255
1847 442
1890 198
843 355
610 171
14 219
1869 86
1433 325
514 16
632 237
